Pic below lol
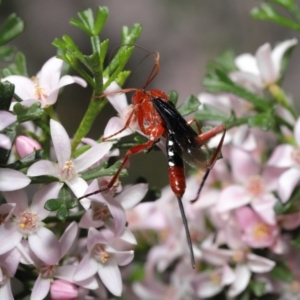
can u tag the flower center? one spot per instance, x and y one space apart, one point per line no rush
100 254
255 186
295 287
47 271
68 171
296 155
28 222
40 93
239 256
215 278
101 212
261 231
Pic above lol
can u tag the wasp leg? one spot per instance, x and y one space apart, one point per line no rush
204 137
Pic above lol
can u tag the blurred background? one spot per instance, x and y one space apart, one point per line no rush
186 33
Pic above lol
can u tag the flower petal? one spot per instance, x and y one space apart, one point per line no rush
43 167
247 63
5 291
114 125
45 246
19 198
11 236
110 275
11 180
279 51
259 264
243 275
232 197
49 191
6 119
132 195
24 87
265 64
41 288
117 100
287 182
282 156
86 268
61 142
50 74
91 156
67 239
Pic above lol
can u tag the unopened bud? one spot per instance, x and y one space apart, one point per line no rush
26 145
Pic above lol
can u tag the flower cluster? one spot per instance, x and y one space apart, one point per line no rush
68 228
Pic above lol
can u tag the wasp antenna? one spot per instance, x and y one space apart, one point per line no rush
201 186
116 92
155 69
187 231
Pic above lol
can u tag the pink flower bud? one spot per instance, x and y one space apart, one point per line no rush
26 145
63 290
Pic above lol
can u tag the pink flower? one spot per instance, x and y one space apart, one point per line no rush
110 211
257 234
254 187
210 283
104 260
263 69
287 156
43 88
26 145
28 223
64 272
63 290
67 169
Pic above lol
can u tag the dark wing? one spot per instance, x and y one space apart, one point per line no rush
194 153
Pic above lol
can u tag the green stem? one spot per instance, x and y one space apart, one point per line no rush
281 98
95 106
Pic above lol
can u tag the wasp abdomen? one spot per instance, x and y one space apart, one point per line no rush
176 168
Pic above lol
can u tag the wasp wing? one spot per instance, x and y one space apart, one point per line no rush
194 153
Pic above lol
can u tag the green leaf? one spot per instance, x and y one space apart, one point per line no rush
220 82
264 121
62 213
28 113
173 96
130 35
296 242
103 51
87 20
101 18
52 204
282 273
100 171
7 90
19 67
258 288
210 113
71 203
285 3
190 105
268 13
225 62
12 27
43 179
122 77
292 206
7 53
244 296
28 160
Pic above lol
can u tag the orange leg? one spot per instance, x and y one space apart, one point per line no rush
202 138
